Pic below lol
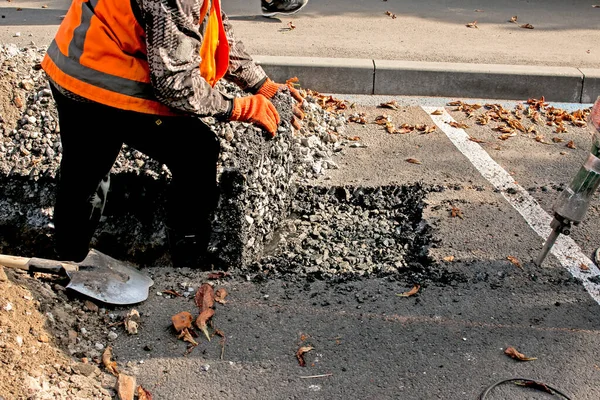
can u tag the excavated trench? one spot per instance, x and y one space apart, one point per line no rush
331 233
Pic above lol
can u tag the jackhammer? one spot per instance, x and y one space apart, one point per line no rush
573 202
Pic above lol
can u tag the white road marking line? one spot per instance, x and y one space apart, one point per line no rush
567 252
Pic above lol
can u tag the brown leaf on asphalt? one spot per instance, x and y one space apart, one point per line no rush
219 274
437 112
532 129
143 394
291 26
300 354
584 267
390 127
413 161
514 261
527 26
205 296
507 135
448 258
182 321
359 118
109 364
202 321
514 353
353 138
382 119
390 14
483 119
458 125
411 292
472 139
516 124
390 104
430 128
571 144
187 337
220 295
557 140
472 24
172 293
560 128
513 19
540 139
456 212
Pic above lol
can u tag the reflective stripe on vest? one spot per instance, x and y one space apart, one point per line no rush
99 53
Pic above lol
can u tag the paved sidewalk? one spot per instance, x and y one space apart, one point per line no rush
353 46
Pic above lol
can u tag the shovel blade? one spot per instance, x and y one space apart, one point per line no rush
108 280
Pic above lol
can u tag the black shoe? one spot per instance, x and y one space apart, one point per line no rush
288 7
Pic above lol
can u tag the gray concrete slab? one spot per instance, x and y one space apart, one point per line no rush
322 74
591 84
477 80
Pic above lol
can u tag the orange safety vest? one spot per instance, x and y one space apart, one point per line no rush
99 53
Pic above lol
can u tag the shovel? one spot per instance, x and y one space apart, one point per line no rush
98 276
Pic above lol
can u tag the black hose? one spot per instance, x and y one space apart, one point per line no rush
528 383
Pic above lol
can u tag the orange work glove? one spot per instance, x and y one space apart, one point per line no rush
270 89
258 110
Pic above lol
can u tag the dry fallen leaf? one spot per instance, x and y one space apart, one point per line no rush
514 261
109 364
512 352
186 335
291 25
571 144
584 267
220 295
557 140
221 274
390 104
437 112
300 354
390 14
143 394
458 125
202 321
472 25
205 296
513 19
448 258
132 320
411 292
527 26
413 161
382 119
182 321
456 212
172 293
472 139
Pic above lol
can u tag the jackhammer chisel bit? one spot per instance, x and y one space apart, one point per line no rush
573 202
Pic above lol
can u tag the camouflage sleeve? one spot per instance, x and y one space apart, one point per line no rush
243 71
173 40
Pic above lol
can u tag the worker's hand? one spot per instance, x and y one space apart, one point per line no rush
258 110
270 89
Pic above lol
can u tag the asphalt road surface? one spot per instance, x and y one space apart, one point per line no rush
448 340
564 34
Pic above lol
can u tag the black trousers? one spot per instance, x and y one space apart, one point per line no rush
92 135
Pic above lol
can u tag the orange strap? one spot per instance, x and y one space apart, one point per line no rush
214 51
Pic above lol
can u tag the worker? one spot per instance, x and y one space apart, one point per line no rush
143 73
271 8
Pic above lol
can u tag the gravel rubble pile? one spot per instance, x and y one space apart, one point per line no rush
345 232
267 171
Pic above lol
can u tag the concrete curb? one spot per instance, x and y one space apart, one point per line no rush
414 78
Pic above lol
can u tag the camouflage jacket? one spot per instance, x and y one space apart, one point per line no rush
173 39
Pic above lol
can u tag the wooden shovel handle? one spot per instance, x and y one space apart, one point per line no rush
37 264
